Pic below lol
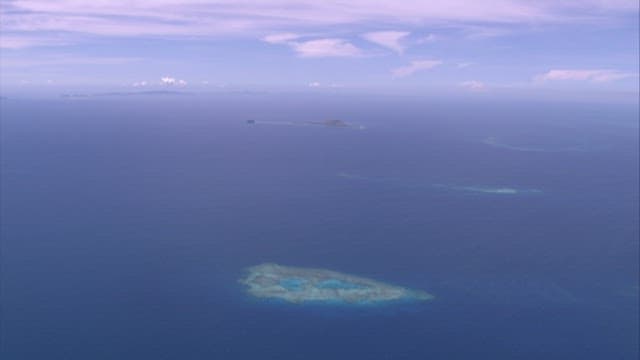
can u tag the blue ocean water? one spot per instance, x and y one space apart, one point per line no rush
127 222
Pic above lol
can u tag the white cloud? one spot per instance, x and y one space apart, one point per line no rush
25 41
389 39
463 65
326 48
164 81
594 75
329 47
281 38
316 84
474 85
414 66
170 81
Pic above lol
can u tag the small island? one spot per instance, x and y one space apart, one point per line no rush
330 123
301 285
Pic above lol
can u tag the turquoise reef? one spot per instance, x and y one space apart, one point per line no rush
299 285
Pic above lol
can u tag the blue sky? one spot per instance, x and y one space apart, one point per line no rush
455 46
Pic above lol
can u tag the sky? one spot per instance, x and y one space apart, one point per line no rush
456 47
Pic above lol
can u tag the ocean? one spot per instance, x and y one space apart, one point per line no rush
127 221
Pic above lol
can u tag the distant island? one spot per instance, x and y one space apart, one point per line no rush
301 285
327 123
330 123
125 93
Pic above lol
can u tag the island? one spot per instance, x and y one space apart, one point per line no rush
325 123
309 285
330 123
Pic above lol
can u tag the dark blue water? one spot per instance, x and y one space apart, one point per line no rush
127 222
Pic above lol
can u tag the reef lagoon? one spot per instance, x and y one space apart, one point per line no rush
299 285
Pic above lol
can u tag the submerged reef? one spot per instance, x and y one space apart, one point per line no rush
469 189
300 285
489 190
492 141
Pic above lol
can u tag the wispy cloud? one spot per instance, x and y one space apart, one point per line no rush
474 85
595 75
428 39
326 48
415 66
389 39
100 39
484 32
180 18
281 38
27 41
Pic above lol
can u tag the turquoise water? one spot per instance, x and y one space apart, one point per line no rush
293 284
337 284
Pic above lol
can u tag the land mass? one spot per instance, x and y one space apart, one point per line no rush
300 285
